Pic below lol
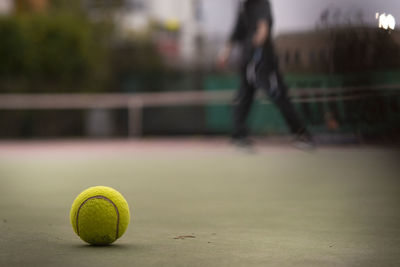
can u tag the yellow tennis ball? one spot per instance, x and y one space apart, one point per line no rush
100 215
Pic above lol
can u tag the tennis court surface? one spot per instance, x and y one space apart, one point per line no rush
201 202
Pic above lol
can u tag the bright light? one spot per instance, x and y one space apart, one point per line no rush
386 22
391 22
383 22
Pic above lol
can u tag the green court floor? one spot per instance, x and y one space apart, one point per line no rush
276 207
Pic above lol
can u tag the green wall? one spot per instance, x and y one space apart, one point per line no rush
377 114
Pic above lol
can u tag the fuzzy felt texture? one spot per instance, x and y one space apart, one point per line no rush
100 215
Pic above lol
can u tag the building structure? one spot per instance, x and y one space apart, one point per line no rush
321 51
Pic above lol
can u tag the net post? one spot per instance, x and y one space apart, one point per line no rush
135 117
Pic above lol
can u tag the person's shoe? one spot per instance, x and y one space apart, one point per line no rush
304 142
244 144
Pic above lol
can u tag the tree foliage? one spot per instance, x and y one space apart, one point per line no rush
43 53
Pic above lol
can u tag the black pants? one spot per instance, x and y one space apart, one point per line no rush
272 83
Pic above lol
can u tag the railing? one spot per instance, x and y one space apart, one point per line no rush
135 103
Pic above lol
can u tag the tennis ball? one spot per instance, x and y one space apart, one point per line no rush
99 215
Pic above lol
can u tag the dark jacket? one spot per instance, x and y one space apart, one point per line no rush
249 15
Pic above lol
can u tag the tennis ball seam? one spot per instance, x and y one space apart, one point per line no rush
98 197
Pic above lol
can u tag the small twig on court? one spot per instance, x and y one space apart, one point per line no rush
182 237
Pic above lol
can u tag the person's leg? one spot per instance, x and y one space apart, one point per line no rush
278 92
243 102
289 113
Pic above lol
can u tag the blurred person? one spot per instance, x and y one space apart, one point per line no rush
259 69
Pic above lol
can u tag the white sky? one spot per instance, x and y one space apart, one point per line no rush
5 6
292 15
298 15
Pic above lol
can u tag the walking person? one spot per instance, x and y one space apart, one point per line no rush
259 70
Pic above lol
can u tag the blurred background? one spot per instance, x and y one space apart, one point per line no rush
139 68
